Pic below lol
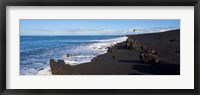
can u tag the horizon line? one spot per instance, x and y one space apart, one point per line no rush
97 34
71 35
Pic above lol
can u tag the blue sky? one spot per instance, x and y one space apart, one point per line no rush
94 27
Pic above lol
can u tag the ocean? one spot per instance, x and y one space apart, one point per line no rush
36 51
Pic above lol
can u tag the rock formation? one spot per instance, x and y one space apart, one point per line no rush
58 68
110 49
149 58
147 55
133 44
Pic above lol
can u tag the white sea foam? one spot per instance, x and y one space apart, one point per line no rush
46 71
85 53
96 49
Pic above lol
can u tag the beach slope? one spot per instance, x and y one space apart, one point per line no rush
143 54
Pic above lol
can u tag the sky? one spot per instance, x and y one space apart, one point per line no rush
94 27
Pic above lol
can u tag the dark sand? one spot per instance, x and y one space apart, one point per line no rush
123 61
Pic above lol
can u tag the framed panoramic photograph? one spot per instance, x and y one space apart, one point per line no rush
131 47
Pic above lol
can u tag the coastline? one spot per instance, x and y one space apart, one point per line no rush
162 49
99 47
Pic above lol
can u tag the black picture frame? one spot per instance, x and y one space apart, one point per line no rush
4 3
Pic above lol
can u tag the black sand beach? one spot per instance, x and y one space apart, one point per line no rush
144 54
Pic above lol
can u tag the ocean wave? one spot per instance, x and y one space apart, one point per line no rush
85 53
36 61
46 71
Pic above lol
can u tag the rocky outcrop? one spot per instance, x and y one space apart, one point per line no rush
151 50
129 41
110 49
149 58
133 44
147 55
59 67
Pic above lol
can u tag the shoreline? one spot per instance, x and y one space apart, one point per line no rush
100 45
144 54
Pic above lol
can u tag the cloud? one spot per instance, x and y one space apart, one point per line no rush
38 29
140 30
73 31
103 31
108 30
88 29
